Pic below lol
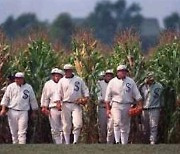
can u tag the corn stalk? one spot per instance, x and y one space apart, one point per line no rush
165 62
88 63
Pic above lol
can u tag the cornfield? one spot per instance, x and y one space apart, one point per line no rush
36 56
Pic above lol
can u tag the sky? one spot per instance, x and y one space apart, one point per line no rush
49 9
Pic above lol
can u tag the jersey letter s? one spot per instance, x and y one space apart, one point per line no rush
76 86
25 92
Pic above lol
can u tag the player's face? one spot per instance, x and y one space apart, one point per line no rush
19 81
56 77
108 77
121 74
68 73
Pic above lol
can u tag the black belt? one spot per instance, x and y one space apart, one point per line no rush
17 110
67 102
122 102
152 108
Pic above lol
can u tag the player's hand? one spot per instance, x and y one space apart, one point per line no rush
45 111
108 113
33 114
58 106
3 112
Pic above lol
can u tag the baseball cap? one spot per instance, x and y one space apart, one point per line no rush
19 75
109 71
68 67
57 71
150 75
122 67
102 73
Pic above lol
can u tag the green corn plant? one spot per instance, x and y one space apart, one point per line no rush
4 55
88 62
165 62
127 50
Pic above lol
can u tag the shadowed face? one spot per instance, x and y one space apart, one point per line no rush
121 74
56 77
108 77
19 81
68 73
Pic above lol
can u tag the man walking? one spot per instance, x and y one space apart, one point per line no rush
71 93
151 92
121 91
49 107
104 122
17 100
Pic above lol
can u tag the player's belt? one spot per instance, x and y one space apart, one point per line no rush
16 109
67 102
123 102
152 108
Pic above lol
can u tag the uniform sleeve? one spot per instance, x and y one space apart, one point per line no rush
58 93
135 92
85 90
99 91
45 96
33 101
108 95
161 95
6 97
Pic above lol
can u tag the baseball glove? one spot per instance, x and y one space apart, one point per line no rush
135 111
82 101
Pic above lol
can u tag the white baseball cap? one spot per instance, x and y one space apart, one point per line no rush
121 67
109 71
102 73
68 67
19 75
57 71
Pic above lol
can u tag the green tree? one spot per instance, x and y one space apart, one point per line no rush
108 18
62 28
172 21
22 25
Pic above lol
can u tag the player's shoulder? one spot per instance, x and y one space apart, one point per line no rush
128 79
158 85
77 78
10 86
27 85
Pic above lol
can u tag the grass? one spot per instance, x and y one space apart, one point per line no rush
89 148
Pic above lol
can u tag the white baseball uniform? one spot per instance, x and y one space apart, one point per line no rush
121 92
151 109
19 99
47 100
69 90
105 124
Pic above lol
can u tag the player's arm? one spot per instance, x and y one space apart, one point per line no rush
57 96
108 98
5 101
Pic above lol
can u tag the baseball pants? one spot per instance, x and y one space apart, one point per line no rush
150 119
56 125
102 123
18 123
106 131
121 122
110 131
71 115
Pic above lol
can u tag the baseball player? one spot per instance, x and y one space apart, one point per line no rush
49 107
121 91
151 92
72 91
104 122
18 98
